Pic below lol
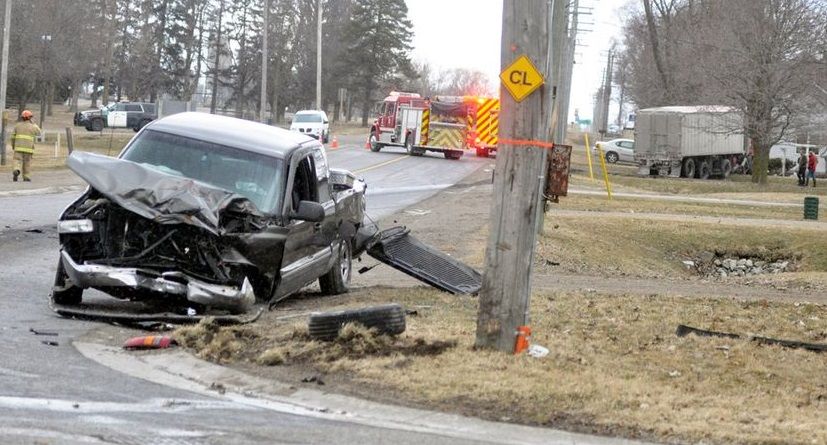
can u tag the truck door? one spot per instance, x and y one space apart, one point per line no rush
117 117
306 250
133 115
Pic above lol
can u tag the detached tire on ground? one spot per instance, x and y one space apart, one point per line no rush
386 319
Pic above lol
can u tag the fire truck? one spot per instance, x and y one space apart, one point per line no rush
450 125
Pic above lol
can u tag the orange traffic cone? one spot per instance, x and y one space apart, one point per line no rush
367 144
335 143
523 333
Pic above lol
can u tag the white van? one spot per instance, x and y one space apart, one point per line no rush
312 123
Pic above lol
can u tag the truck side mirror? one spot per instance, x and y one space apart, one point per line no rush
309 211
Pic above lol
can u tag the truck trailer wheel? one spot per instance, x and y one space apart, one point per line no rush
337 280
726 168
704 171
688 168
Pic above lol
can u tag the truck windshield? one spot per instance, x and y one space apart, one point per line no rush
256 177
305 118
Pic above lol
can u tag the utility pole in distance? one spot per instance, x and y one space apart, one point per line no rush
519 178
265 59
319 55
4 73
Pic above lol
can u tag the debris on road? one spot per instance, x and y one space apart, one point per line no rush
50 343
684 330
397 248
163 317
537 351
387 319
150 342
44 333
313 379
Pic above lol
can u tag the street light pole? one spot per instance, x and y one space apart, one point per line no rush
319 55
265 58
4 72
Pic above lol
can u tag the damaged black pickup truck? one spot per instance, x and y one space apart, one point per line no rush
209 211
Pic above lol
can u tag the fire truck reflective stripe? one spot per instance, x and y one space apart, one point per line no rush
426 123
488 122
447 138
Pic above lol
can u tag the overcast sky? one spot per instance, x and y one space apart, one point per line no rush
466 34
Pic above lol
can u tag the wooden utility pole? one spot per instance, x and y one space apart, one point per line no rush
517 210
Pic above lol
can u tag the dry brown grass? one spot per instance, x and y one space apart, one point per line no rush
603 245
615 366
634 205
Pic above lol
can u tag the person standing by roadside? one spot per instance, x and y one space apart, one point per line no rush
802 167
812 162
22 143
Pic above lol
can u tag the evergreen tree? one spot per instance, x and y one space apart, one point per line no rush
378 39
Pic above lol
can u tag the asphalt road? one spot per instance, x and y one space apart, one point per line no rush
49 393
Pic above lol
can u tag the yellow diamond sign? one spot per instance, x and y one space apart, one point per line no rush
521 78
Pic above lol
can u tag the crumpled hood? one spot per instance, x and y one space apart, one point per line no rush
158 196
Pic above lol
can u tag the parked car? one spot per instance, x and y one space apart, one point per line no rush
312 123
617 150
134 115
209 210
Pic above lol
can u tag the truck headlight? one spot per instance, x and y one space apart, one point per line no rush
75 226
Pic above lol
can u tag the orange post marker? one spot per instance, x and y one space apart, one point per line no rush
523 334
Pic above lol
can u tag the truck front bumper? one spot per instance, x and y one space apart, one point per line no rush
238 299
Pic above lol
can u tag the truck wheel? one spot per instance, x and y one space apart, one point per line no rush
141 124
704 170
726 168
688 168
97 125
337 280
454 155
611 157
326 138
374 143
64 292
409 145
387 319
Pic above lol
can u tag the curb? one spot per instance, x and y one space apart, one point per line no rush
181 370
42 191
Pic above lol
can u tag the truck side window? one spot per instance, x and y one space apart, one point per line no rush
390 108
322 174
304 186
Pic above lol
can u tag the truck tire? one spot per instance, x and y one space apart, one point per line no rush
96 124
704 170
375 146
409 145
612 157
688 169
64 292
337 280
726 168
387 319
326 138
141 124
453 155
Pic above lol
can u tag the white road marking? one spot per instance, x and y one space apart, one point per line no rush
13 373
411 189
148 406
